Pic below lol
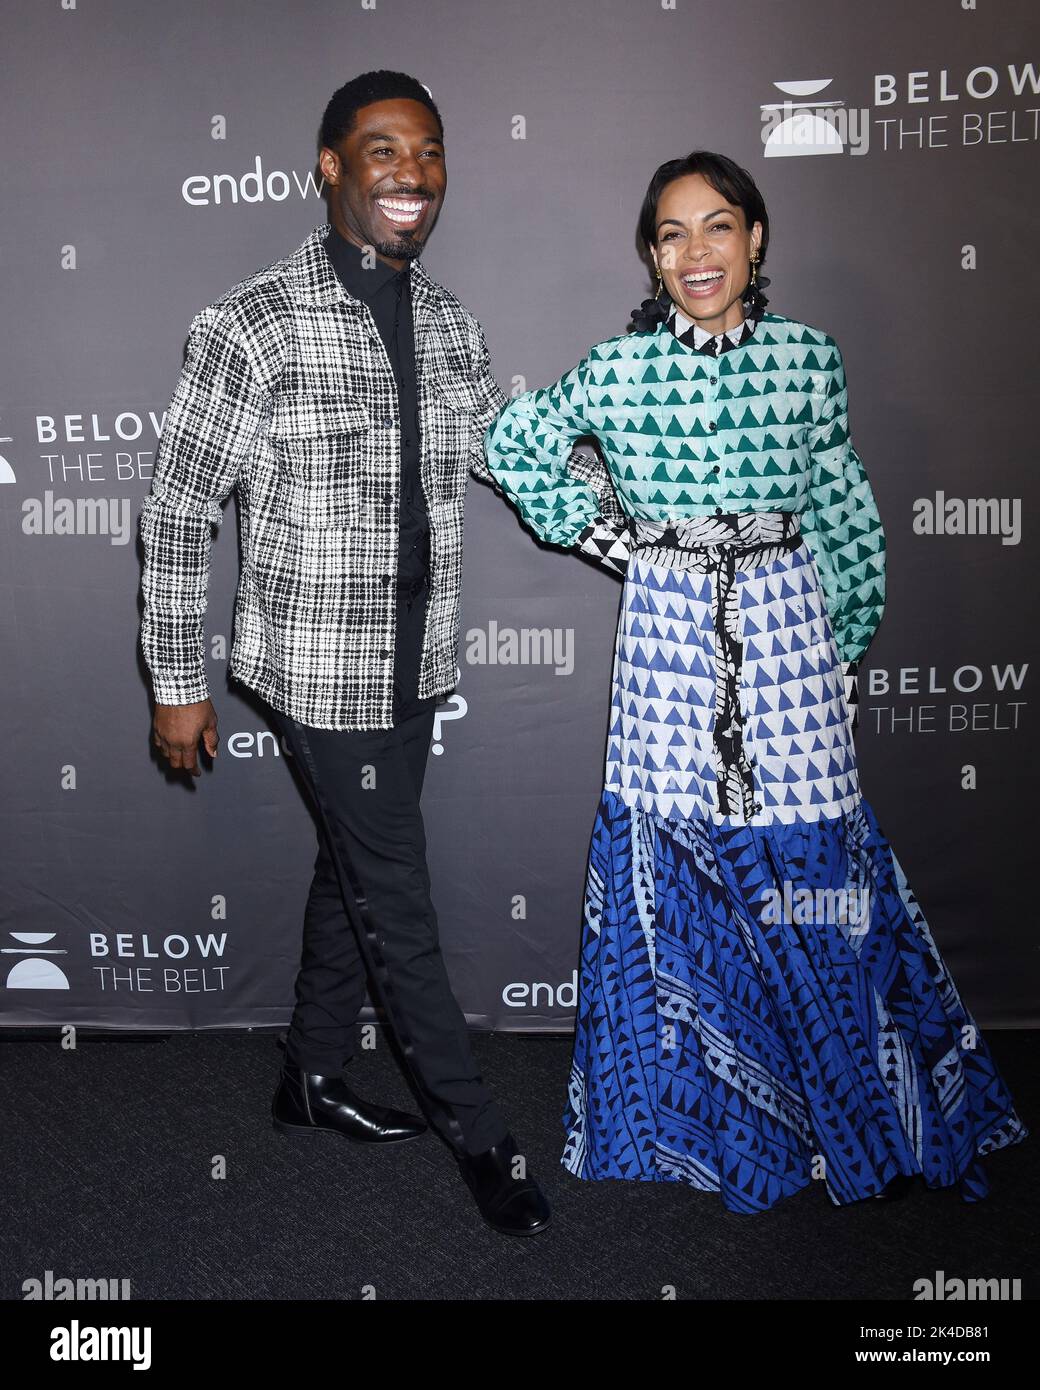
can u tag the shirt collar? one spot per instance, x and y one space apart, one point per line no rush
358 279
313 280
691 333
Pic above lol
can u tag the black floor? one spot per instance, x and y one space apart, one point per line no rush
109 1153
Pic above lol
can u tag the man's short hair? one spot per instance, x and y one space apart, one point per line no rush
382 85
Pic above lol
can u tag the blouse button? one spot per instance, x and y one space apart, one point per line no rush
718 511
711 426
715 468
713 379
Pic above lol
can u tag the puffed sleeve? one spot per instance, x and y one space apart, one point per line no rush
605 537
528 446
841 522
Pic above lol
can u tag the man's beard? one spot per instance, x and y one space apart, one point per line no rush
407 248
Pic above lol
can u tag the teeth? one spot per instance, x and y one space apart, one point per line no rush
400 209
699 276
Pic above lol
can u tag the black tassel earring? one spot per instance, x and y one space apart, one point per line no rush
754 300
653 312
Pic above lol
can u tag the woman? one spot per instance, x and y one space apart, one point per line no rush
761 999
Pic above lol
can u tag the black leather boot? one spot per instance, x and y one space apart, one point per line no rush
514 1206
307 1103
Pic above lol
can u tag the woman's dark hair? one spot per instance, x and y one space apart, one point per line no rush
381 85
737 187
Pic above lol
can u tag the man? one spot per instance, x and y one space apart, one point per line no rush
345 395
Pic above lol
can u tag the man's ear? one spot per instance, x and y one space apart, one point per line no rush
330 166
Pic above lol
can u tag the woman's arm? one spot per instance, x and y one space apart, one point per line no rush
843 527
605 538
563 494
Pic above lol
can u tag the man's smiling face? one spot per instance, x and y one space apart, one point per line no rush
387 179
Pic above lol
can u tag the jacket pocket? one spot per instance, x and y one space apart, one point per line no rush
321 445
457 405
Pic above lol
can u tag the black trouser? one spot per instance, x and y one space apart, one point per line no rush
369 906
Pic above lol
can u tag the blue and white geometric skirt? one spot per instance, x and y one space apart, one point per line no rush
761 1001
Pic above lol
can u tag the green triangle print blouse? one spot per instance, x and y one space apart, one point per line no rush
762 427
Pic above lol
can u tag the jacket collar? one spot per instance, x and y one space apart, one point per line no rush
314 280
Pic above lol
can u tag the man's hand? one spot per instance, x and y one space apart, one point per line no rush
176 730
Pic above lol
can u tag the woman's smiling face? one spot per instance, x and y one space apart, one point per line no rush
703 250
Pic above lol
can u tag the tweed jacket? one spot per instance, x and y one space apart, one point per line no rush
287 396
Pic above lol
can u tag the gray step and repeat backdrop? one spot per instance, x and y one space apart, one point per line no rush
156 153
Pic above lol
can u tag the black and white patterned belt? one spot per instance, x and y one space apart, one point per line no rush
722 545
698 542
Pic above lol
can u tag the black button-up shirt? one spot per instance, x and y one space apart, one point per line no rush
387 292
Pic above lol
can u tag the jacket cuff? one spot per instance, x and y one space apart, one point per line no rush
179 690
606 542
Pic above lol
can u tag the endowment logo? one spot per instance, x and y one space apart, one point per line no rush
531 994
258 743
254 186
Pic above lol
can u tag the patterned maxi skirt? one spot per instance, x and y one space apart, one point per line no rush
761 1000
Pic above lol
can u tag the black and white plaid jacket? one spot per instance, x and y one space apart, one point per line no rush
287 395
